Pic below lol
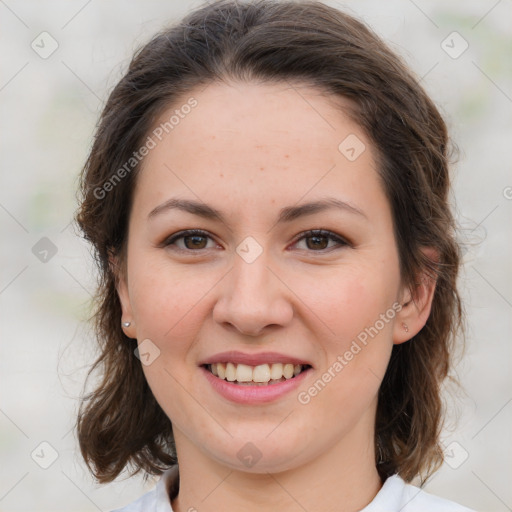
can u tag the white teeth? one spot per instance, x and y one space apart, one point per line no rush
288 370
262 374
243 373
276 371
230 372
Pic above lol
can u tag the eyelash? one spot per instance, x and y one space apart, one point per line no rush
304 235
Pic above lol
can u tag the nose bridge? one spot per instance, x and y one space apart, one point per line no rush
253 297
251 279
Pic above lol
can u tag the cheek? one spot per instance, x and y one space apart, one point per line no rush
354 308
347 300
166 302
169 309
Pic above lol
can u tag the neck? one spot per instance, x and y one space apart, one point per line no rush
343 479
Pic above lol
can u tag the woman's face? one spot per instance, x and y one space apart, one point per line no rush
254 168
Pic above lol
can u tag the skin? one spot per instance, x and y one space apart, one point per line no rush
250 150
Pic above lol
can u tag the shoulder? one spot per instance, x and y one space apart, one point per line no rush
396 495
156 500
145 502
417 500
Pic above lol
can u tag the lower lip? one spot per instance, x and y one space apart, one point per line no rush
243 394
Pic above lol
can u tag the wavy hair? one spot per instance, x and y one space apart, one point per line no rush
119 422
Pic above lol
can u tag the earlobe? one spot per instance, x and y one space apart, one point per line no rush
126 319
416 305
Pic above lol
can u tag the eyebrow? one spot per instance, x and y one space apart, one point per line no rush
287 214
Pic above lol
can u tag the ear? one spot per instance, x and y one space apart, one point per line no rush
416 303
124 297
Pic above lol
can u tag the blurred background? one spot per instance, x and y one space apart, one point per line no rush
59 60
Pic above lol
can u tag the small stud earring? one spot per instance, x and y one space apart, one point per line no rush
404 325
126 324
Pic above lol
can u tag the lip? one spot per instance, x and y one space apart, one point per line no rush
253 394
236 357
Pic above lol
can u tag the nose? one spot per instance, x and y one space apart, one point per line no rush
253 298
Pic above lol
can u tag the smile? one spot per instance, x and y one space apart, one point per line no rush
252 385
260 375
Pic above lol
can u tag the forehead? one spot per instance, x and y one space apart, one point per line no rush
261 116
280 140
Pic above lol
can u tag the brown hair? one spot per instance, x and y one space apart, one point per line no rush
120 423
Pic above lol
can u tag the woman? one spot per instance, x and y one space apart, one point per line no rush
267 199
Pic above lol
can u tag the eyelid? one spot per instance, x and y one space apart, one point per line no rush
341 241
182 234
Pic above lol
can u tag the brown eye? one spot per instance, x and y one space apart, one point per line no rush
190 240
194 242
320 240
317 242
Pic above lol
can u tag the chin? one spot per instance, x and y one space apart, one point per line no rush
260 456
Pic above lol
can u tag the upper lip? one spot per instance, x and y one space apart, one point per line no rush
236 357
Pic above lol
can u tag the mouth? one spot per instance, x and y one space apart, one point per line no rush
260 375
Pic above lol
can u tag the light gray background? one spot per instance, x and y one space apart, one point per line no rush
49 110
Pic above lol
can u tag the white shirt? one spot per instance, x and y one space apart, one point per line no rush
394 496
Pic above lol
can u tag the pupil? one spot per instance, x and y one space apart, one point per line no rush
196 241
318 242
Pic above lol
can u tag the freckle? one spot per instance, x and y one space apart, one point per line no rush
262 168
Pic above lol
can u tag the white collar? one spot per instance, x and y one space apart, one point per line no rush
394 496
